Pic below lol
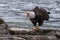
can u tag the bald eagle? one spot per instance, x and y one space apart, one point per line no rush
38 15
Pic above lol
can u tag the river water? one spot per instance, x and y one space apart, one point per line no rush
12 11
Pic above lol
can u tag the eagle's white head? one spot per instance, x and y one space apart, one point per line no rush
30 14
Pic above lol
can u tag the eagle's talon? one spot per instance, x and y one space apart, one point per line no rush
35 28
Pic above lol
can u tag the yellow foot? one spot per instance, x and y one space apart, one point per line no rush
35 28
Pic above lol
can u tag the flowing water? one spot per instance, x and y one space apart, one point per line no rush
12 11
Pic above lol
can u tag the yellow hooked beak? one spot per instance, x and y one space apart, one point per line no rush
27 13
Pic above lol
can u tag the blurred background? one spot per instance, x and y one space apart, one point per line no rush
12 11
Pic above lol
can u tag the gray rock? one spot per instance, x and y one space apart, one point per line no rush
3 27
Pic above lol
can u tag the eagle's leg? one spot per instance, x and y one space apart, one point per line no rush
36 27
40 23
34 22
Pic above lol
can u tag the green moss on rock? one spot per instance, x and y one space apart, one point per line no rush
1 21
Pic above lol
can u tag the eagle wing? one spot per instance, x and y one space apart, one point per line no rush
41 13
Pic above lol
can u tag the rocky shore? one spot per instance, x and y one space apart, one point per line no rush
30 34
7 33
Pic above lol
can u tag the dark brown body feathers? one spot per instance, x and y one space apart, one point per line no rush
40 15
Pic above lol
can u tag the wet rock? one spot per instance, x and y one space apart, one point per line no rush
37 37
21 31
57 34
51 33
3 27
24 31
30 34
10 37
